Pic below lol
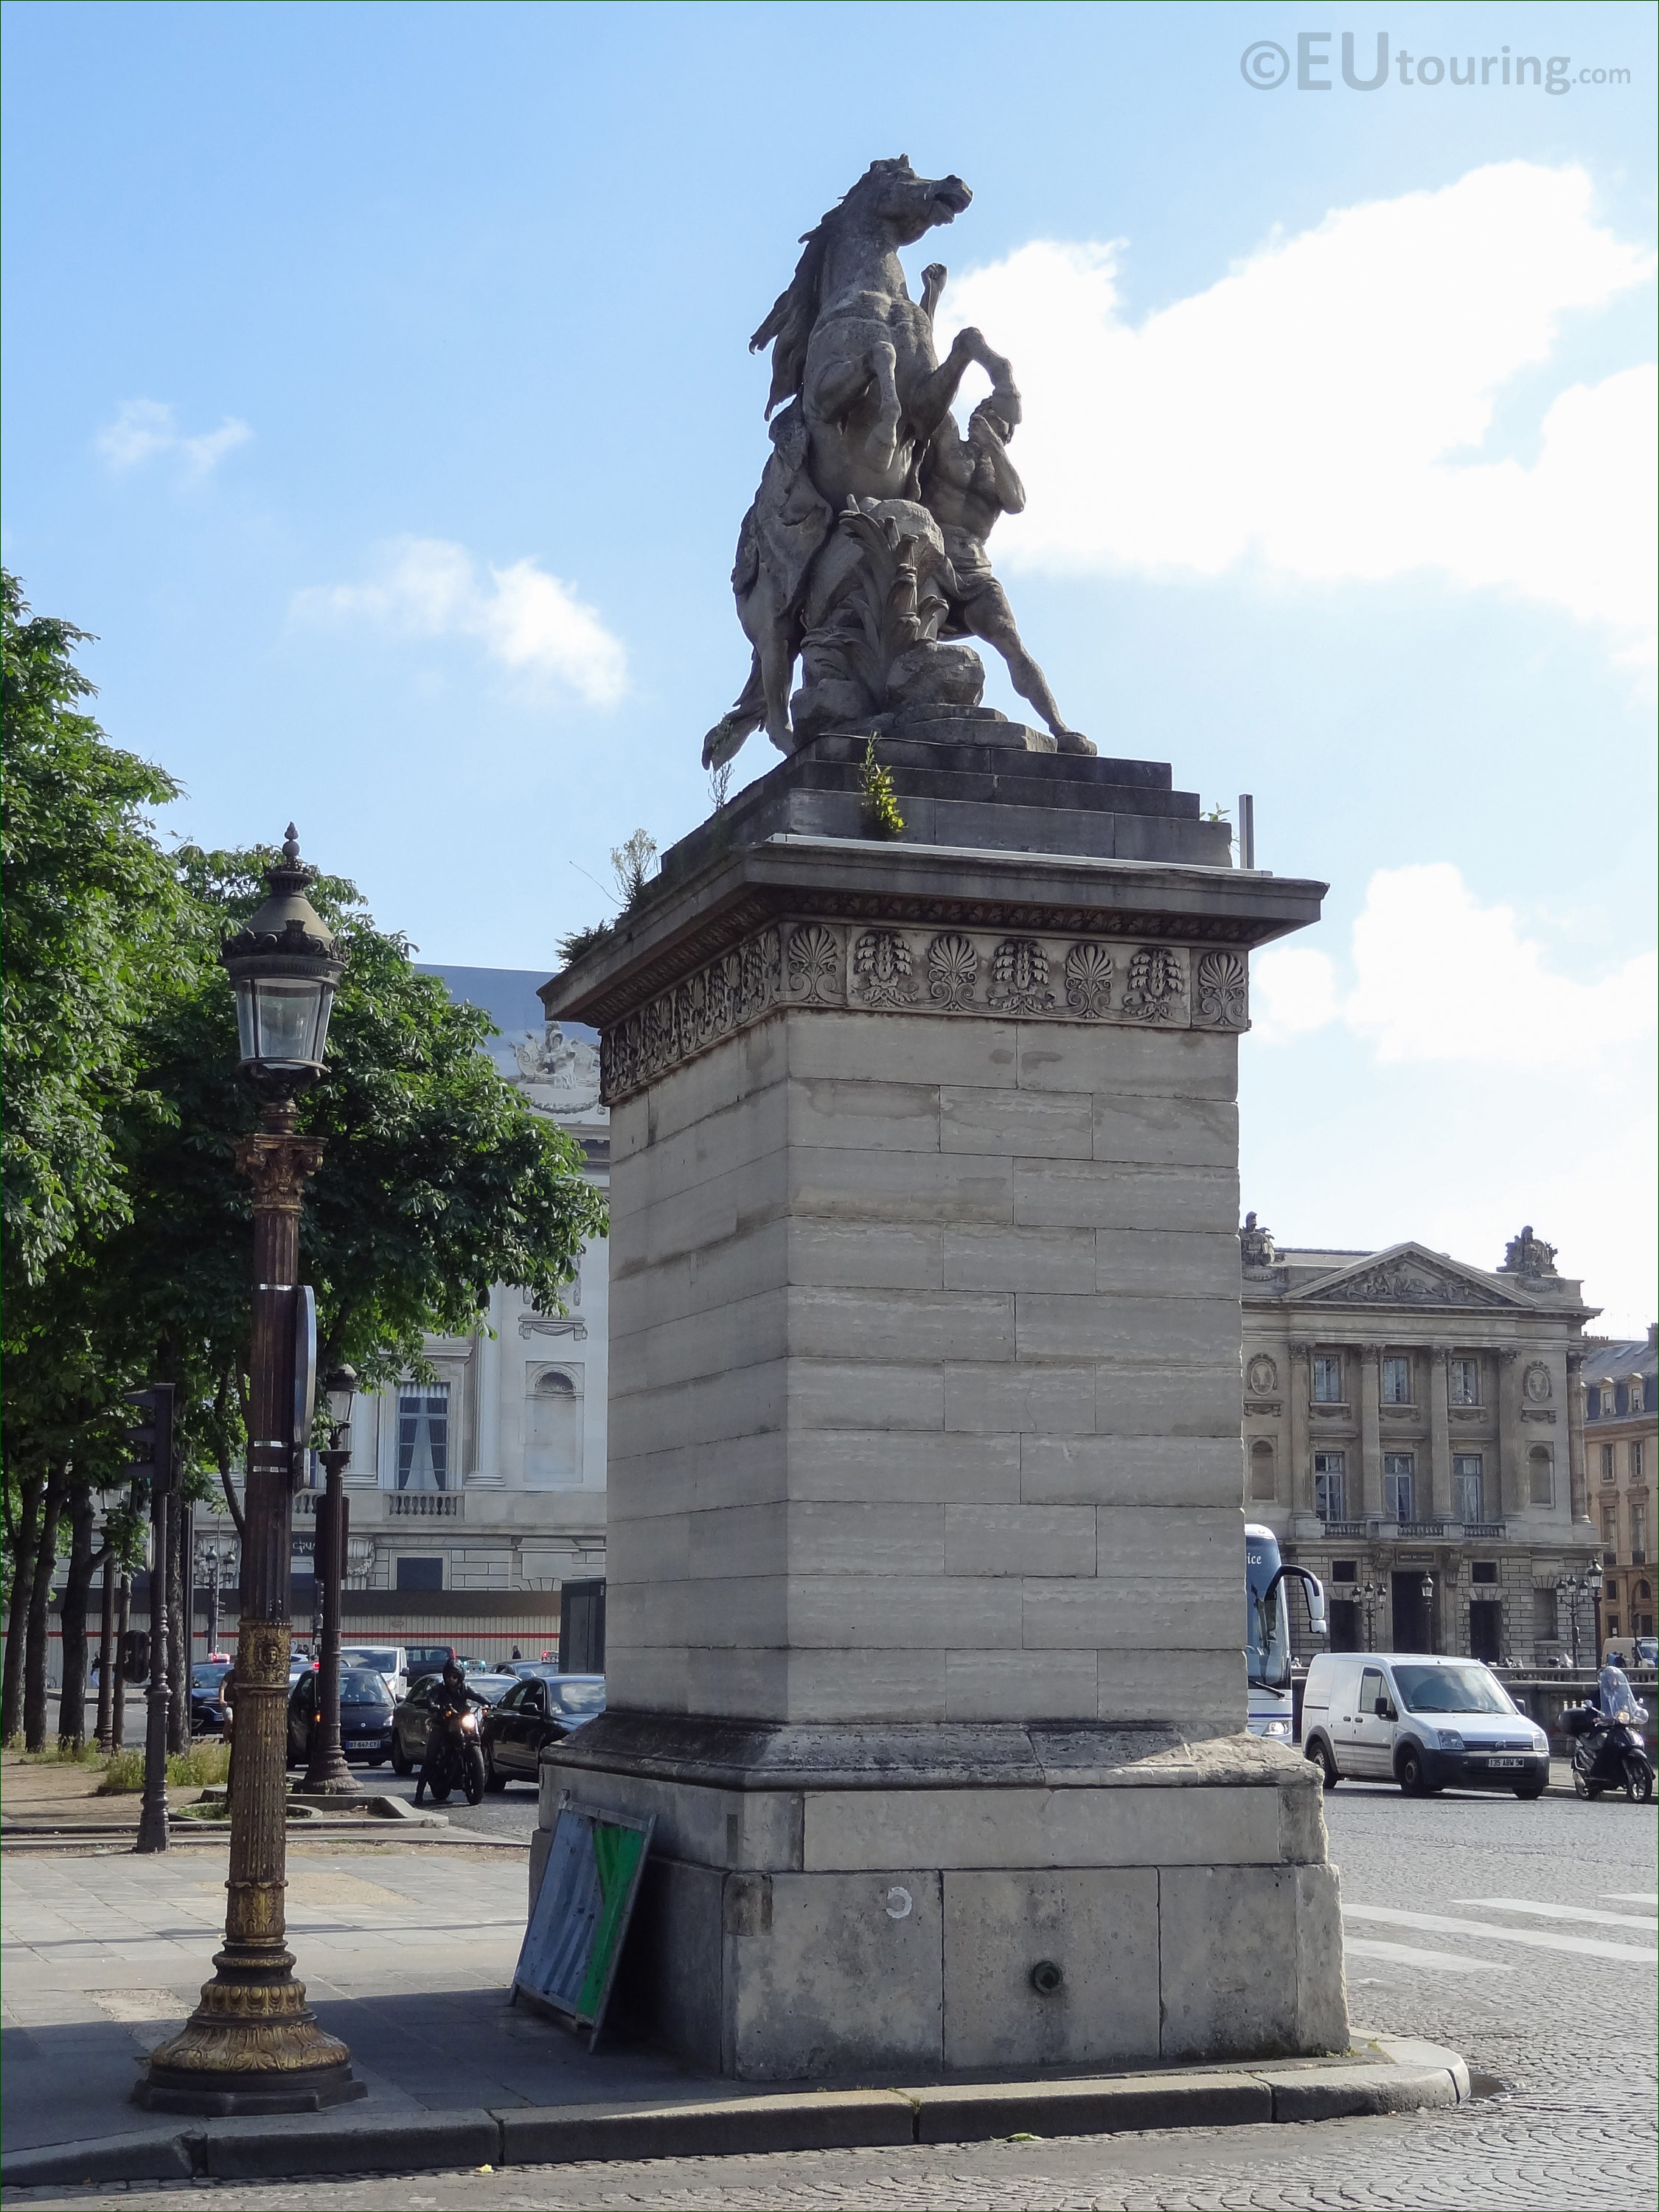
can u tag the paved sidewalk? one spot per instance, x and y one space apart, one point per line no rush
407 1957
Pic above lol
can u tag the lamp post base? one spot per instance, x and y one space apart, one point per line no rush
252 2044
329 1780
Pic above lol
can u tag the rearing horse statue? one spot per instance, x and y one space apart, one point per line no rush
861 392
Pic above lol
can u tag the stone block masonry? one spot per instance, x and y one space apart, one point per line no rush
926 1556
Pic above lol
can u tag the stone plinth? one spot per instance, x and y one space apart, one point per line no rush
927 1600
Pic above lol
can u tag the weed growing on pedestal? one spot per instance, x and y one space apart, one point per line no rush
880 798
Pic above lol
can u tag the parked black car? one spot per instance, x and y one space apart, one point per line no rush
365 1718
428 1659
543 1708
207 1714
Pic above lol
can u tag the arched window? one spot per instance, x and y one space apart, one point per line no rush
553 1430
1540 1469
1263 1480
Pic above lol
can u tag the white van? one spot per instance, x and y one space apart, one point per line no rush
390 1660
1421 1720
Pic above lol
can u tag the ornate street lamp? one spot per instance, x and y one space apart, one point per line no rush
1426 1591
252 2044
328 1773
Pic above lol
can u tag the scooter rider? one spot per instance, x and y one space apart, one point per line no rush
1616 1696
453 1697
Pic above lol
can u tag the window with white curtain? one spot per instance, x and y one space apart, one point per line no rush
424 1436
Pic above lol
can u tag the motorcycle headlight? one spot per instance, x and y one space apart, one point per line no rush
1449 1740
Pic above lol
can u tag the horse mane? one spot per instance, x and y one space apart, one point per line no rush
795 310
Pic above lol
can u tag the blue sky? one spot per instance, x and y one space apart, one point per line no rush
375 386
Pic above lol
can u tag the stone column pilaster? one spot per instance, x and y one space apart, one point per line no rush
1297 1391
1370 1429
1512 1459
1575 1476
1438 1485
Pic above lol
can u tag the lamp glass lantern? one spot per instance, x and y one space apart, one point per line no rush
340 1388
284 967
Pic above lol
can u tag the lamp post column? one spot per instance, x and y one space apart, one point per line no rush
252 2044
328 1773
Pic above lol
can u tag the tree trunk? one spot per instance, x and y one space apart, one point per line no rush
178 1626
72 1700
35 1654
22 1585
118 1731
108 1688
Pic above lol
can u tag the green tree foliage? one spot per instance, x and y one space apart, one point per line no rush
128 1227
87 898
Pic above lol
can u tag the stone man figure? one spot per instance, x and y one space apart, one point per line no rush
966 483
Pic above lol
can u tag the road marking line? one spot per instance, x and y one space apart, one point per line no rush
1440 1923
1629 1897
1560 1913
1405 1955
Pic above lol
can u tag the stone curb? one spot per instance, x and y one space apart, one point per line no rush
1399 2075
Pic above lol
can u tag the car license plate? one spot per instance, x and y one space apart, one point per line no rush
363 1743
1505 1762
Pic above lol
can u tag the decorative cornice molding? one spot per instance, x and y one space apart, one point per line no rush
810 960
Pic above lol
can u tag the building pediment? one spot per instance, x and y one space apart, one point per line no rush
1408 1276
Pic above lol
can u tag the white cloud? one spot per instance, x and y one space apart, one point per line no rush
1322 407
525 619
1496 1086
145 430
1438 976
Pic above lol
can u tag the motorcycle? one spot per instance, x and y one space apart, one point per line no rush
457 1760
1609 1753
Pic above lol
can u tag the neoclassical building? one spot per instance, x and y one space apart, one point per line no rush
493 1478
1414 1423
1621 1388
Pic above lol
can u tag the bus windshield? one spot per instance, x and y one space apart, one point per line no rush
1266 1621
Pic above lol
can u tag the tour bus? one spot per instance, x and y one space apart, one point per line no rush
1267 1631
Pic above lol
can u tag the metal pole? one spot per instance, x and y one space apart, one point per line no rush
153 1817
253 2043
328 1772
213 1600
1246 830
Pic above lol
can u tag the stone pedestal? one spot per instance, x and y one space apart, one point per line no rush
926 1560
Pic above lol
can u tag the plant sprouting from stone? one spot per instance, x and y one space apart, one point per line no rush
719 784
880 798
633 863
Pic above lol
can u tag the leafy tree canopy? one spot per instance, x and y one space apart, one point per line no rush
87 898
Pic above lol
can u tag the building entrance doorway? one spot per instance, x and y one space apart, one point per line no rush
1411 1611
1485 1630
1344 1625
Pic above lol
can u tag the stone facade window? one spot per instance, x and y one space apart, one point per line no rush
1263 1480
423 1437
1638 1531
1609 1472
1636 1459
1543 1615
1463 1382
1637 1391
1397 1486
1610 1526
1483 1570
553 1431
1330 1485
1466 1487
1327 1379
1540 1475
1396 1382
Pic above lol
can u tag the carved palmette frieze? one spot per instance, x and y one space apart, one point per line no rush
839 964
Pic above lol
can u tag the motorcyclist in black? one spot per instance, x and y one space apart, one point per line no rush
453 1697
